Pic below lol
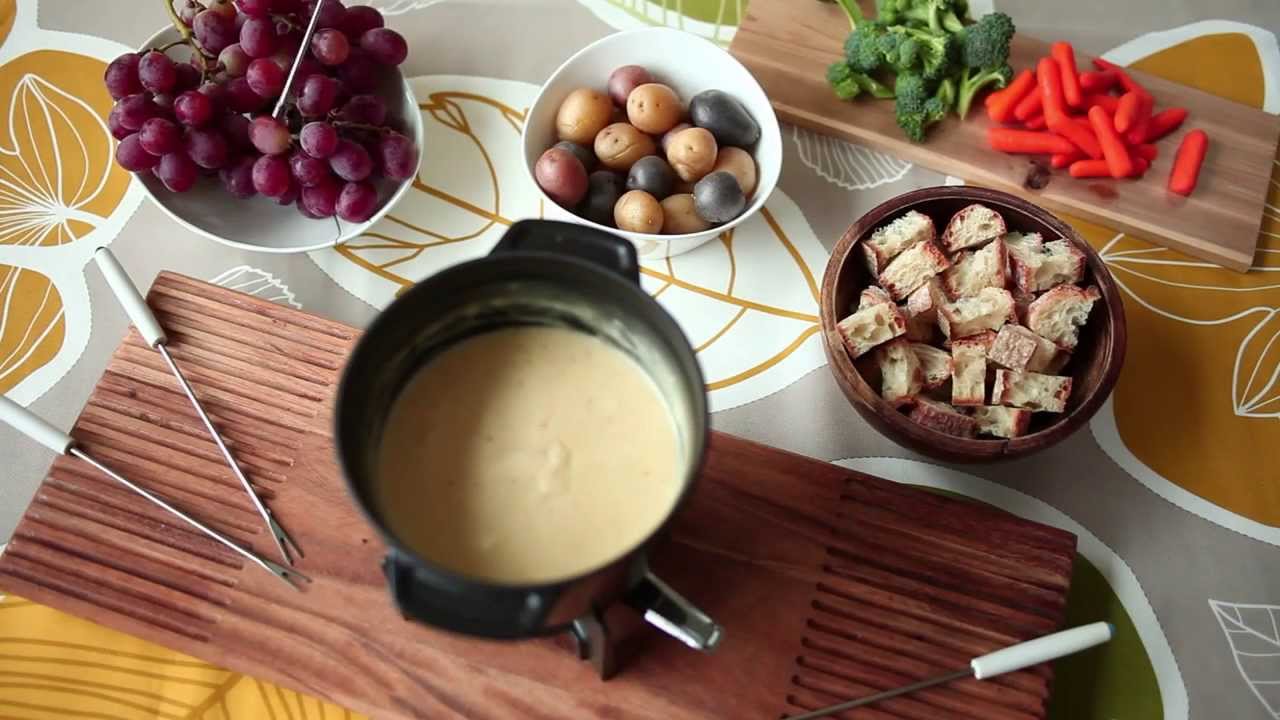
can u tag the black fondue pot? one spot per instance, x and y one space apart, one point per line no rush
547 273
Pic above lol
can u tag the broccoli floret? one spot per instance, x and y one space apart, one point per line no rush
849 83
863 49
933 55
917 108
892 12
937 15
985 44
841 78
972 81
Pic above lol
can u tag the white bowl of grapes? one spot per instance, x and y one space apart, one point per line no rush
200 121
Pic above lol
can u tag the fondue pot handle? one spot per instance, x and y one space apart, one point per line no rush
605 249
464 607
668 611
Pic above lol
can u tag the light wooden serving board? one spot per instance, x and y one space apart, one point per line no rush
829 584
788 44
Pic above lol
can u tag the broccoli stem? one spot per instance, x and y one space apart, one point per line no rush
851 10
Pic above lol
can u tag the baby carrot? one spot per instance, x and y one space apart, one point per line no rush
1079 134
1113 149
1127 111
1129 83
1065 55
1110 102
1146 151
1163 123
1089 169
1186 164
1138 131
1063 160
1001 104
1036 122
1031 104
1050 79
1140 166
1100 81
1027 142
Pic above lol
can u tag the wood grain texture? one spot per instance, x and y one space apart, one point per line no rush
788 44
1094 366
828 583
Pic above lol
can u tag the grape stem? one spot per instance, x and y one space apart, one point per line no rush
348 125
286 20
188 38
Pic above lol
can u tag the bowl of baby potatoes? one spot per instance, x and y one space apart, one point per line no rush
971 325
657 135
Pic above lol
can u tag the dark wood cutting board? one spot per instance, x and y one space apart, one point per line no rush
788 44
828 583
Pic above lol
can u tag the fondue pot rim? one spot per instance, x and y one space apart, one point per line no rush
518 265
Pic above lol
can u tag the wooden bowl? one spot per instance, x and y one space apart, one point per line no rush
1094 366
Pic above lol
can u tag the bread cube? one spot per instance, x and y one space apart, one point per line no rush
971 271
969 368
935 363
1052 365
871 326
1019 349
901 375
922 310
1059 314
1047 393
972 226
888 241
873 295
1038 265
1005 422
913 268
990 309
943 418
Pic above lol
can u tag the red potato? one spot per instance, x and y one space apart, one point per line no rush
625 79
561 176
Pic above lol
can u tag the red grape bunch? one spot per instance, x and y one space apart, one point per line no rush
212 114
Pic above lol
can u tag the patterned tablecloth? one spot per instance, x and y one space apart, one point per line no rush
1173 489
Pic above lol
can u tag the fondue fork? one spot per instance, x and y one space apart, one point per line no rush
36 428
1014 657
149 327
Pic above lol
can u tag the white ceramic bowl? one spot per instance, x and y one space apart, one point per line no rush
259 224
689 64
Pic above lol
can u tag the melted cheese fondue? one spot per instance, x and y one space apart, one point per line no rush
527 454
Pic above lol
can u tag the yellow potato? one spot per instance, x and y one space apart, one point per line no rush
654 108
738 163
678 216
583 115
692 153
619 146
638 211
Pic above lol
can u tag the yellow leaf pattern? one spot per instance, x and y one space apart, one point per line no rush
109 675
57 177
1202 340
32 323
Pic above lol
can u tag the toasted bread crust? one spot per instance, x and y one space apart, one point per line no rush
943 418
1005 422
971 226
1059 314
1046 393
913 268
887 241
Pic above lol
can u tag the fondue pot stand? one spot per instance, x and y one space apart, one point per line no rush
545 273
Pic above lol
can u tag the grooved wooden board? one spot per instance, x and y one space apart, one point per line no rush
788 44
829 583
